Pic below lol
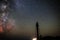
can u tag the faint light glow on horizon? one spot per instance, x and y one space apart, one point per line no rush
34 39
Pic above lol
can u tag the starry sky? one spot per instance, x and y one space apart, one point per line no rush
27 12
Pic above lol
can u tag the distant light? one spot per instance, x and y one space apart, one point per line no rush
34 39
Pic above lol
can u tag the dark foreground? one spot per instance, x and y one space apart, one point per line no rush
50 38
4 37
10 37
27 38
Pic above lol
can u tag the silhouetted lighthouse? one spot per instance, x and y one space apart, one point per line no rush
37 30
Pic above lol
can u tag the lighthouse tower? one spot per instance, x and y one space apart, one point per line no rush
37 30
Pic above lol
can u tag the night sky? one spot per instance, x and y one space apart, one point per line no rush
27 12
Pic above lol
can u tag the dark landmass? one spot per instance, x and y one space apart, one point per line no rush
4 37
14 38
50 38
10 37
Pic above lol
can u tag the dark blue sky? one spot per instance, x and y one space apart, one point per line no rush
27 12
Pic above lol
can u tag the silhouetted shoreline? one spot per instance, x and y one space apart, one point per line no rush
50 38
28 38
